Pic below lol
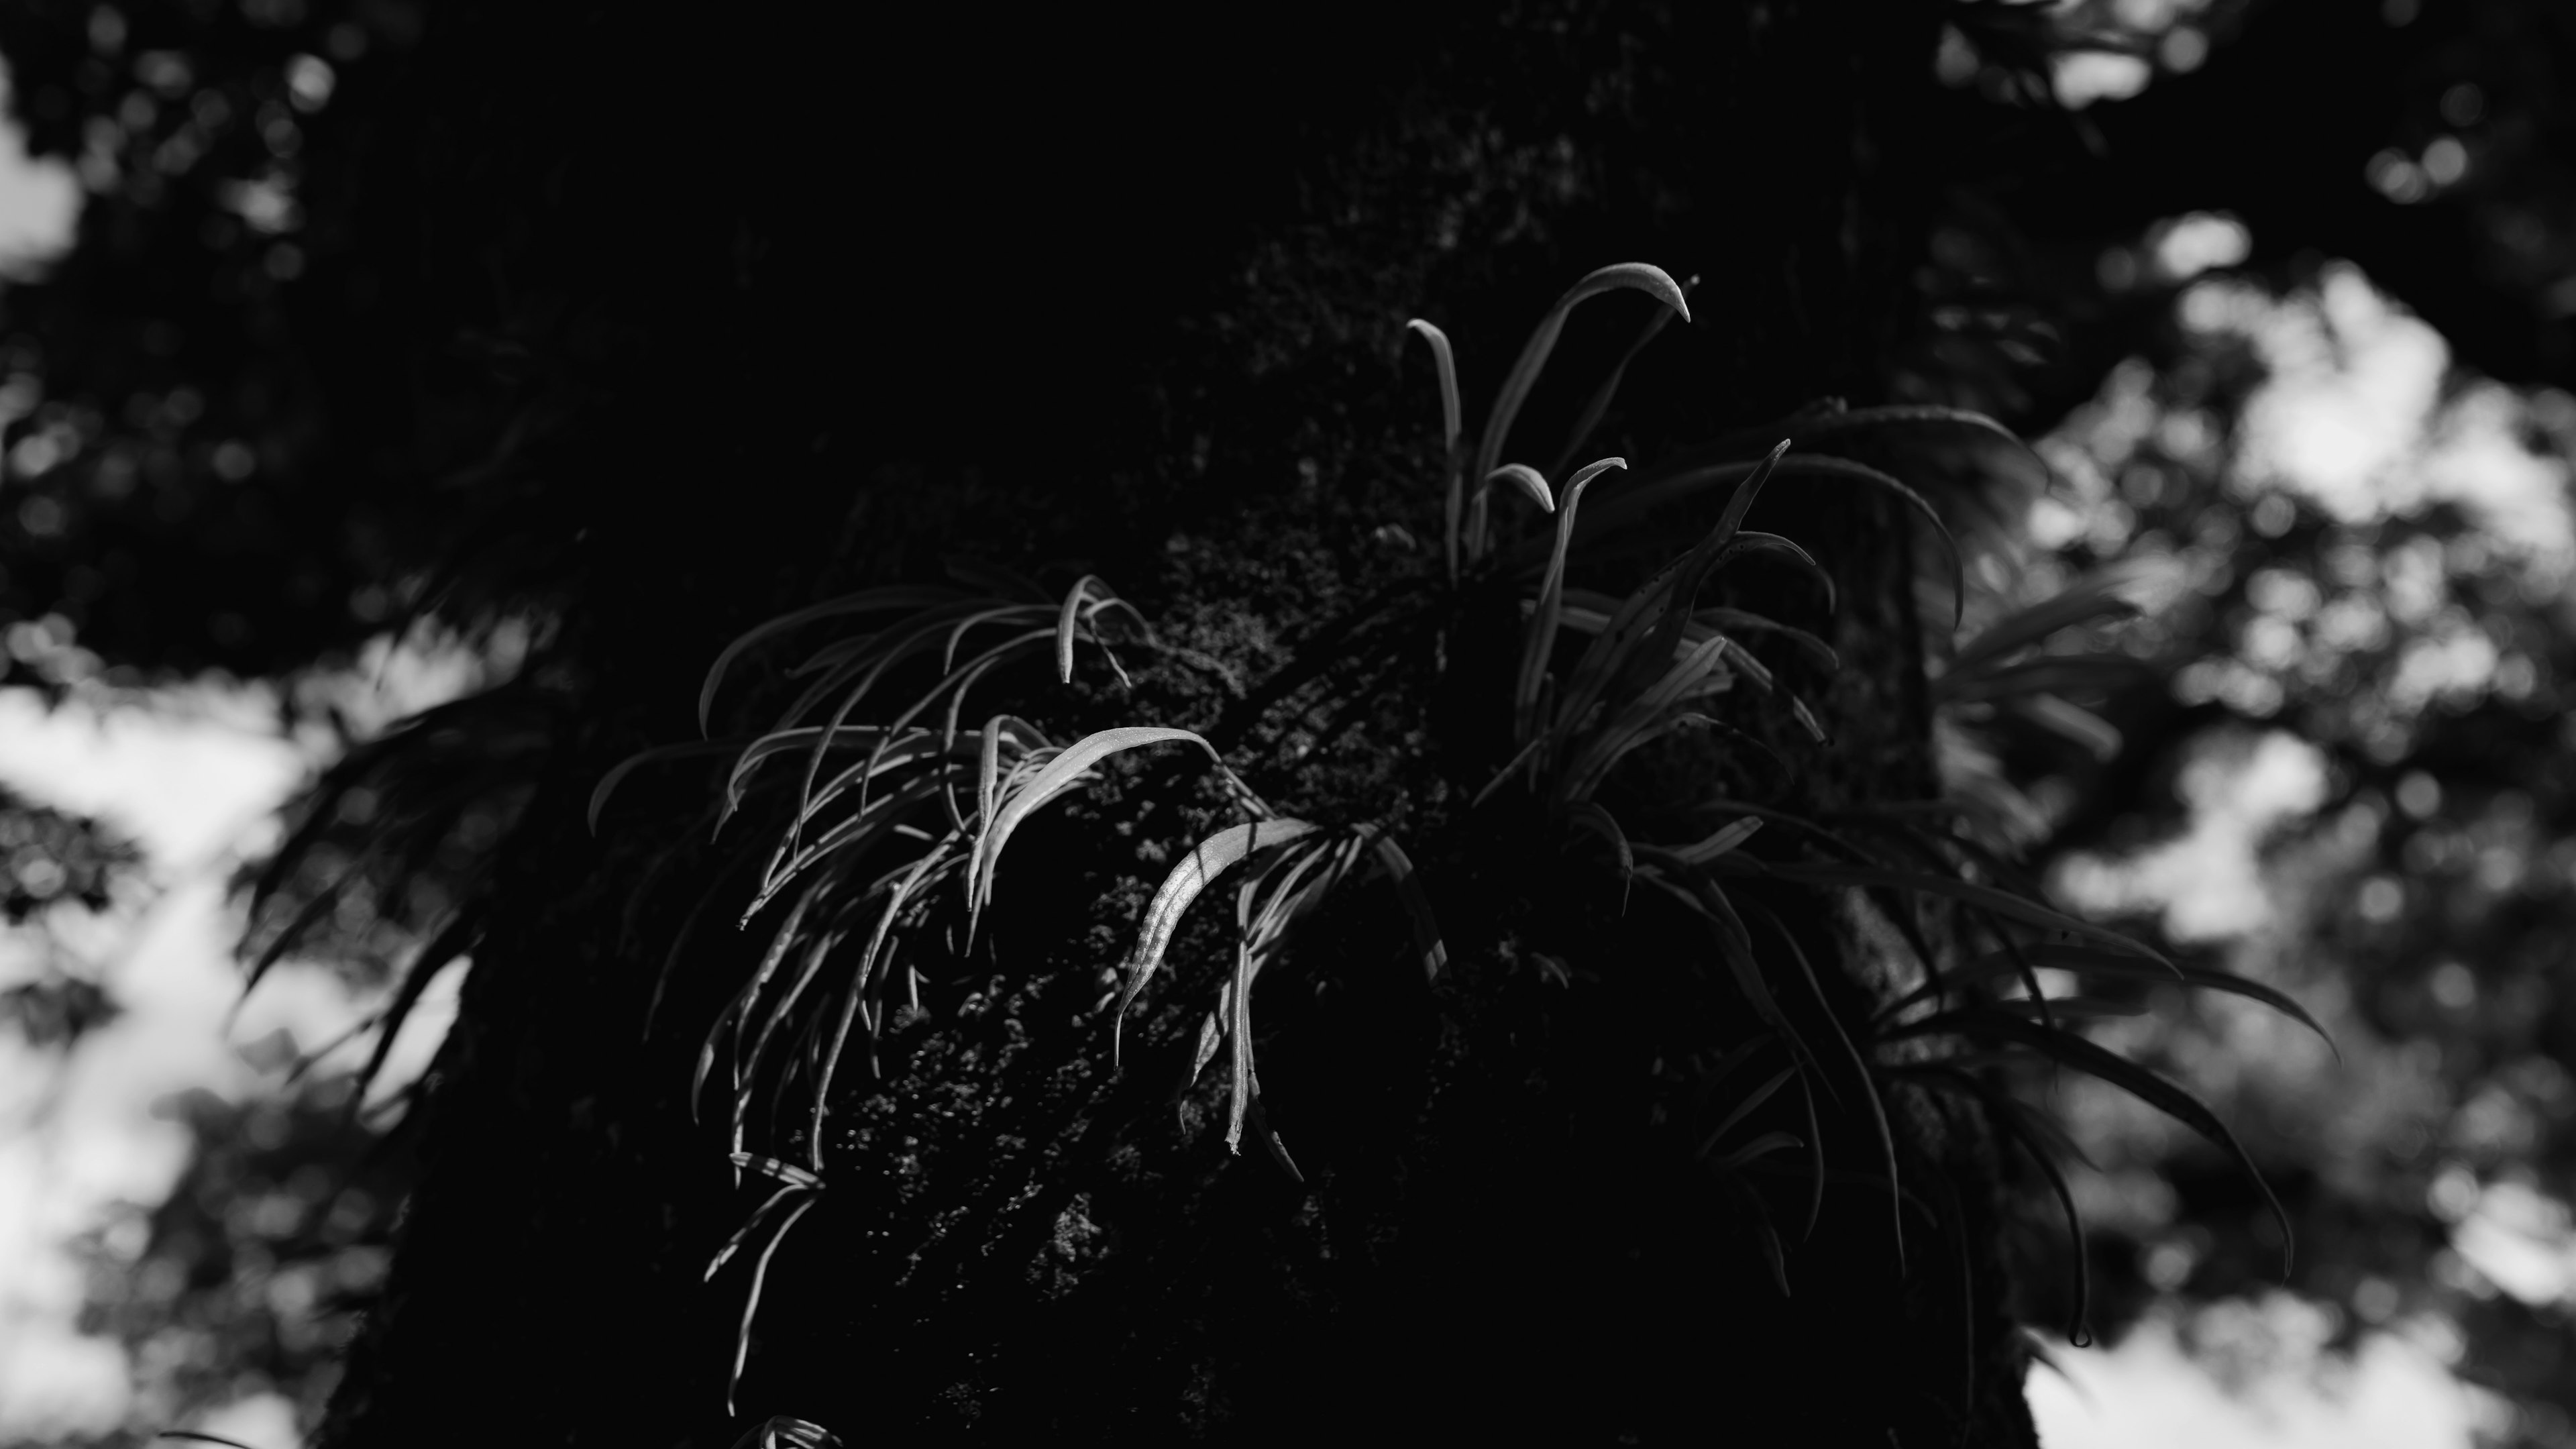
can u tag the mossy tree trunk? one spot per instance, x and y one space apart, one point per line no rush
814 316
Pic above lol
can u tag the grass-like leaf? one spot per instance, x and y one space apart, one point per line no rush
782 1432
1059 775
2099 737
1769 1238
1760 1147
1670 485
1684 579
1590 816
940 858
1541 639
1985 898
458 937
2044 1008
1725 838
881 600
1527 479
2044 674
2097 596
1751 1101
1860 1069
1451 423
851 839
1815 1146
1621 735
751 1299
1691 886
1417 904
1602 396
1189 876
1742 622
1517 383
771 1167
1636 644
1754 541
997 580
2018 1125
2085 961
1999 449
1083 604
744 1000
617 773
2166 1096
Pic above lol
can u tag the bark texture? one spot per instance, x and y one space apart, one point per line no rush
814 312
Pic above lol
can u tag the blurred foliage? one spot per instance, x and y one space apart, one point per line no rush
52 863
249 1278
2368 566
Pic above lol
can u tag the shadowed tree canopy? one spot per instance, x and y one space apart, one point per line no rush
631 331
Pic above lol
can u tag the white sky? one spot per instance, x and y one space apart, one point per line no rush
196 778
38 204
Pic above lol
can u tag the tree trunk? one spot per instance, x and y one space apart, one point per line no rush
1133 305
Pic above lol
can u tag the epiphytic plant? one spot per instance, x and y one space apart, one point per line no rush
897 811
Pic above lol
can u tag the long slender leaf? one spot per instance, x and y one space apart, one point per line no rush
851 838
1725 838
1534 354
1541 641
2094 597
1769 1237
866 601
1754 541
1689 574
1745 1108
2043 674
777 1168
1189 876
2028 913
1860 1070
455 940
1451 423
1602 396
1058 776
1592 817
2166 1096
1694 889
785 1194
1523 477
2097 736
1270 1140
1741 622
1761 1147
1616 739
617 773
2089 962
1815 1163
750 993
939 856
2072 1006
780 1431
751 1300
1417 904
1065 620
1997 444
998 580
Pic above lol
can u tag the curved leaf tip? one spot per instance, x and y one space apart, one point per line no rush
1528 481
1645 277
